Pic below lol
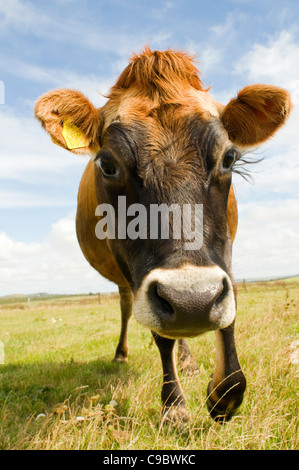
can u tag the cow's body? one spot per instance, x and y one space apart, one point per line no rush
96 251
162 139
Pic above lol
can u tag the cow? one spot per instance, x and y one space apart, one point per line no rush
161 139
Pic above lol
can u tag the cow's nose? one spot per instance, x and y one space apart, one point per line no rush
184 310
170 302
186 301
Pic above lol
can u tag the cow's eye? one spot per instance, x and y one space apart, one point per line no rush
108 166
229 159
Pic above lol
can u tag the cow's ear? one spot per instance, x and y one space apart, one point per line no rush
256 114
71 120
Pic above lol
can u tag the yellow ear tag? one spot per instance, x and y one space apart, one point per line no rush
74 137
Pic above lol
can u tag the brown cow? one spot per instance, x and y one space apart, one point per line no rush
162 139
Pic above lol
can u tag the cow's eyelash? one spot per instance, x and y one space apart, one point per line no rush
240 165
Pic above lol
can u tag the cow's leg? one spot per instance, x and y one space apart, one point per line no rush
126 302
226 389
173 399
186 362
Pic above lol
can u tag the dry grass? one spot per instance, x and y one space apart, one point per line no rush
58 363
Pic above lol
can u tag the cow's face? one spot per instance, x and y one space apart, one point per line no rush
182 286
170 149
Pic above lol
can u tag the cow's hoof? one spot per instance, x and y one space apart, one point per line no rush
219 415
223 409
120 358
175 415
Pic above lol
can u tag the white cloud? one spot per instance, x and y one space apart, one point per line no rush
92 86
16 13
55 265
218 43
13 251
277 175
29 17
267 240
76 27
29 156
276 63
15 199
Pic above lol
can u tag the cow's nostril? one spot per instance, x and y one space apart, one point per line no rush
160 304
223 293
166 306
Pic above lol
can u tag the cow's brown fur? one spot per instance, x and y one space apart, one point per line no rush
96 251
161 76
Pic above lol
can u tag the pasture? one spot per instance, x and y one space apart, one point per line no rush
59 388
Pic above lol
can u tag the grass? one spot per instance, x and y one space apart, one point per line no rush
58 363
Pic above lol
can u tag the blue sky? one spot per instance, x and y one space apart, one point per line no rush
85 45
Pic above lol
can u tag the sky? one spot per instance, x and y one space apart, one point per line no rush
85 45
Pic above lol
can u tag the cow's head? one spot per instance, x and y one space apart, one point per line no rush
162 139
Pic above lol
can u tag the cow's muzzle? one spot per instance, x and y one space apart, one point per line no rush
186 301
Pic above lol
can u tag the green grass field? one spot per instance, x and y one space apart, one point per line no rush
59 388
